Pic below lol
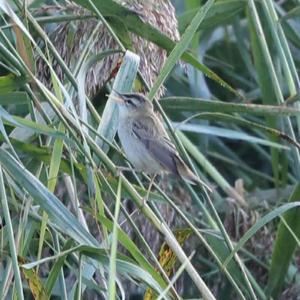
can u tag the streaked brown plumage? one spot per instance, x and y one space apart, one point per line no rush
145 141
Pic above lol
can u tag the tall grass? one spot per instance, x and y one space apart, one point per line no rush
67 230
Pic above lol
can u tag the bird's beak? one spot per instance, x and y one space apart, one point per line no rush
116 96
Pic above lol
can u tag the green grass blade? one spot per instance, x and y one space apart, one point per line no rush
52 180
137 26
180 48
123 83
11 237
172 104
269 83
226 133
274 25
292 13
28 124
125 266
220 13
9 84
211 170
57 267
127 243
259 224
284 247
114 245
16 98
57 212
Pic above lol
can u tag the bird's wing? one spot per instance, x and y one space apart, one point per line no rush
151 133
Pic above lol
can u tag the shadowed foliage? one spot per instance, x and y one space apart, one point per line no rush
77 221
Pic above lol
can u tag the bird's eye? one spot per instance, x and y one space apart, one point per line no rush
130 102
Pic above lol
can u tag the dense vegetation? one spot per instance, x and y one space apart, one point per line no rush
72 225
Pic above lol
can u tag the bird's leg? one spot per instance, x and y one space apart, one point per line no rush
145 199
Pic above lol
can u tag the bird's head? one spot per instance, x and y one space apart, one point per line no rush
130 103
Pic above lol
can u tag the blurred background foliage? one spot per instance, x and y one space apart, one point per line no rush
226 73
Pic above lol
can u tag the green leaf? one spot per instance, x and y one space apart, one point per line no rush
57 212
197 105
28 124
244 122
222 251
284 247
263 67
44 155
210 169
55 271
10 83
11 238
55 160
134 24
125 266
180 48
293 13
16 98
291 32
114 246
259 224
220 13
227 133
123 83
131 247
121 30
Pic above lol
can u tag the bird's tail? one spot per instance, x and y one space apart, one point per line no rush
185 172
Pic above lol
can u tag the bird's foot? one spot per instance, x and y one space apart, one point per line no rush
146 198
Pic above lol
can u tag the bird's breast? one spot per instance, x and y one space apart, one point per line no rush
135 150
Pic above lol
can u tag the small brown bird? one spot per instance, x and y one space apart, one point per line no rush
145 140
